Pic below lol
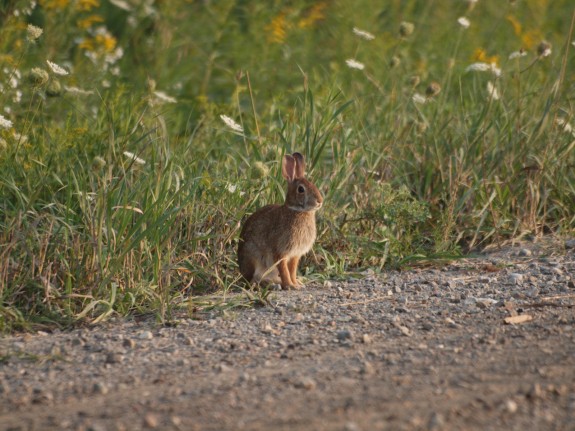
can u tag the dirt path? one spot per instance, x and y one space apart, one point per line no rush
422 349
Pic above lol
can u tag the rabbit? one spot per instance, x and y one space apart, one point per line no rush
275 237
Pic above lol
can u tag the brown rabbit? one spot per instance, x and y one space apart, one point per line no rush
275 237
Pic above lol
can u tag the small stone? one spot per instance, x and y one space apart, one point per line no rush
524 252
570 243
100 388
129 343
366 339
327 284
188 341
516 278
151 420
223 368
344 335
306 383
113 358
534 392
145 335
511 406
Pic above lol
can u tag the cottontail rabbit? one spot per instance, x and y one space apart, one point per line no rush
275 237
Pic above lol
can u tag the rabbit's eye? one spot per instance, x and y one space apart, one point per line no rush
301 189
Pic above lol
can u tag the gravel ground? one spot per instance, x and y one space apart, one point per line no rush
478 343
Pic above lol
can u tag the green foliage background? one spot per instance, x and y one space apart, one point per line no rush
122 190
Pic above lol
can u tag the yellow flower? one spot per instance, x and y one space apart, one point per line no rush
106 41
89 21
480 55
277 29
517 28
313 15
54 4
87 5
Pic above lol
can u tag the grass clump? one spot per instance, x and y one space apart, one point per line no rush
133 143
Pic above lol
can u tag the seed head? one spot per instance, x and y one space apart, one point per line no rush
98 162
433 89
38 77
544 49
54 89
406 29
414 80
394 62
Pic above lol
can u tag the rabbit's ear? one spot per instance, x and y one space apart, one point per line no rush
289 168
299 165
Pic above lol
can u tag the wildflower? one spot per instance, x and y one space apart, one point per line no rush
414 80
492 91
232 124
87 5
544 49
231 187
517 54
478 67
5 123
354 64
463 22
38 76
33 32
89 21
432 89
406 29
363 34
58 70
134 158
122 4
77 91
484 67
313 15
277 29
418 98
163 97
98 162
54 89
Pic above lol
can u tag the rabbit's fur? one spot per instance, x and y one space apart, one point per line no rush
275 237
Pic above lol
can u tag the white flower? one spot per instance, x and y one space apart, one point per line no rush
484 67
492 91
231 188
58 70
418 98
33 32
354 64
78 91
163 97
5 123
517 54
121 4
363 34
135 158
478 67
232 124
463 22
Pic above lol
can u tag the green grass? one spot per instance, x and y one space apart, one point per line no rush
88 231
